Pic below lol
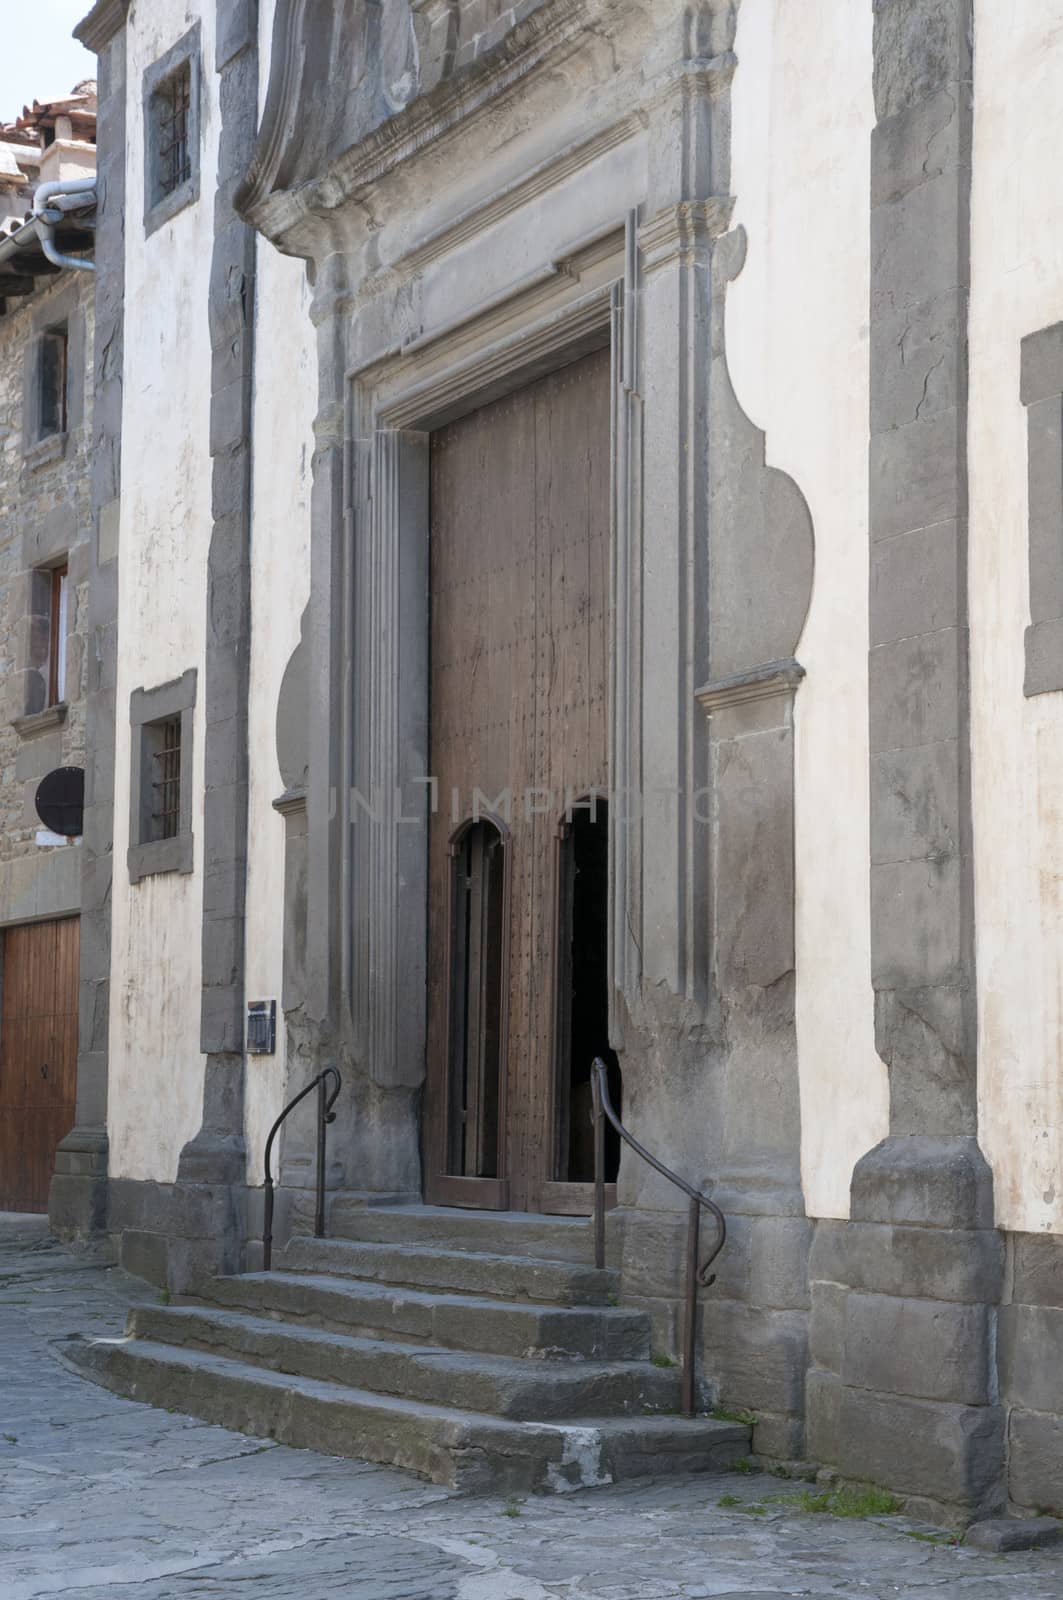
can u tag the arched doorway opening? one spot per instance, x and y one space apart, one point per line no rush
582 990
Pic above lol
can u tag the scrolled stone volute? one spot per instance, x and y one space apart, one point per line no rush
354 87
314 105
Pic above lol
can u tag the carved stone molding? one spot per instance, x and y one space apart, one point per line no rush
761 683
40 721
679 230
317 149
291 803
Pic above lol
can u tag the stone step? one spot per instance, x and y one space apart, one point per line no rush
461 1449
416 1266
454 1321
503 1386
503 1233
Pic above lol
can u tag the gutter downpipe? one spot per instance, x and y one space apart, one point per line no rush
45 224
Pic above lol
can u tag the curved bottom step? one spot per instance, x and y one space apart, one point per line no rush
460 1449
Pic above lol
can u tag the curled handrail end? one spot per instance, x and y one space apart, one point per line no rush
325 1073
601 1072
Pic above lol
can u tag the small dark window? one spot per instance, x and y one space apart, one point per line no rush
163 748
160 798
171 109
57 626
477 913
583 991
51 383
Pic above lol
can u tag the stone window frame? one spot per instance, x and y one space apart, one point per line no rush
160 208
63 312
1042 395
148 857
47 543
39 710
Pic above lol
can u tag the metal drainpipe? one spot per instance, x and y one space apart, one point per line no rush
45 228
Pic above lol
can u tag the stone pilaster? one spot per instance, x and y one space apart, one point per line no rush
904 1387
77 1203
209 1224
710 1058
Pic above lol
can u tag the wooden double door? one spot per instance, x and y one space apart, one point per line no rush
38 1056
518 849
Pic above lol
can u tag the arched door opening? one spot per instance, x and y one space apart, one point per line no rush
477 999
583 992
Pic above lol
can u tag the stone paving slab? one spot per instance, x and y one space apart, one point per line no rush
103 1499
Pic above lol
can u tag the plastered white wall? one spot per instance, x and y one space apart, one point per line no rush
797 341
1017 762
156 1068
285 402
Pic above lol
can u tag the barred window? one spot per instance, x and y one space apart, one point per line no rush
164 749
160 821
171 131
173 106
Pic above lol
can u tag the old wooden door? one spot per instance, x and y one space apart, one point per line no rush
38 1057
519 607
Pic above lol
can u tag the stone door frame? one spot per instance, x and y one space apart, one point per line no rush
570 307
693 978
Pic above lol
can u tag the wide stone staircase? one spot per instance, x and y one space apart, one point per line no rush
477 1349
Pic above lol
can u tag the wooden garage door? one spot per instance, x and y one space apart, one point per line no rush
38 1057
519 609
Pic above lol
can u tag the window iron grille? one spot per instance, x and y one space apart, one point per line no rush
166 779
173 102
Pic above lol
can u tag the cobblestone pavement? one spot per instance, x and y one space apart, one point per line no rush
102 1499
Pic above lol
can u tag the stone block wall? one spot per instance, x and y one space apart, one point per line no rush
1030 1337
45 517
902 1386
753 1321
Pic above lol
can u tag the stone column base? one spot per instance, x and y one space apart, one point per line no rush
78 1196
902 1391
208 1226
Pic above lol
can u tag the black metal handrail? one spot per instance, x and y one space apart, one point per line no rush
695 1274
325 1115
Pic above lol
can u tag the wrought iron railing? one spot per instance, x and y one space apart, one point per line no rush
325 1115
695 1274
